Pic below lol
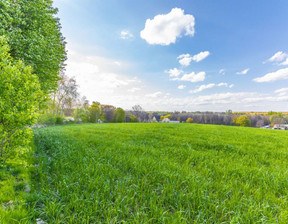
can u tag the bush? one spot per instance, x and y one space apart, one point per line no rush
59 119
69 120
189 120
81 115
48 119
243 121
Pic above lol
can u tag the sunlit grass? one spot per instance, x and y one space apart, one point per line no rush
160 173
14 187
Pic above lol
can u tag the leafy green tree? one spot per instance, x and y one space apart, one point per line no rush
189 120
34 36
133 118
20 95
119 116
243 121
95 112
81 114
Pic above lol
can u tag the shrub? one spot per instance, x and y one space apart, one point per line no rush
48 119
20 96
189 120
59 119
243 121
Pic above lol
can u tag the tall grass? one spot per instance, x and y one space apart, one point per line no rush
160 173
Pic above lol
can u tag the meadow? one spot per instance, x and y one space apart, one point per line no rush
160 173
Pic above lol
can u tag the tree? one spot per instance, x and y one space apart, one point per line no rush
108 113
133 118
166 116
243 121
189 120
95 111
66 94
119 116
34 36
20 95
81 115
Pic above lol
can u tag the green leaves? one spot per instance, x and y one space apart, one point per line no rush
20 95
34 36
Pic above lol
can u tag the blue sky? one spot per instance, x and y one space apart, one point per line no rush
179 54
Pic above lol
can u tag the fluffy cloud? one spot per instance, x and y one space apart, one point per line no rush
181 87
165 29
281 74
244 72
174 72
192 77
185 59
282 92
126 35
209 86
277 57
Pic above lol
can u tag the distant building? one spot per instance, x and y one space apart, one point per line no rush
280 126
154 120
167 120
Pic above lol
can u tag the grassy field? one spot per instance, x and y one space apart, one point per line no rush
160 173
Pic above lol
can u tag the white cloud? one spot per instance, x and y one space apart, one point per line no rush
192 77
222 84
277 57
244 72
231 86
281 74
165 29
174 72
203 87
282 92
285 62
134 89
201 56
155 95
185 59
181 87
126 35
208 86
222 71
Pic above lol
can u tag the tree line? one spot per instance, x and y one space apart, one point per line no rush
32 53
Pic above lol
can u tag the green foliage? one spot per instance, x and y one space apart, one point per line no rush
95 111
34 37
234 120
155 173
166 116
119 116
59 119
14 188
47 119
133 118
189 120
243 121
81 115
20 96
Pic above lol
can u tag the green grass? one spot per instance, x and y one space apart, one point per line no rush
161 173
15 187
